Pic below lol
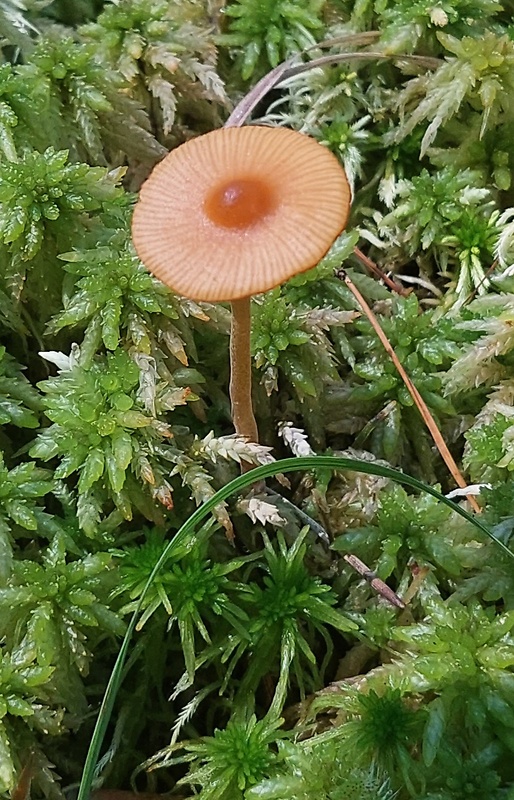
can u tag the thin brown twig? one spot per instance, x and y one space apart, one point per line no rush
245 107
288 69
378 585
364 259
420 403
335 58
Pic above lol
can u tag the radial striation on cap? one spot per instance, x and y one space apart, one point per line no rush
238 211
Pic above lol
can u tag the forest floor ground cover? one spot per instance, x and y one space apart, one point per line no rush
341 631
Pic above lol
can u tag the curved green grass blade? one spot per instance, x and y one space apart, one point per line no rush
243 481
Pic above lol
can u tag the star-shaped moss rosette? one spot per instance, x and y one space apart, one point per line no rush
236 212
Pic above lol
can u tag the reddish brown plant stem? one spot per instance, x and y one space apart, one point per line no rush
420 403
374 581
379 273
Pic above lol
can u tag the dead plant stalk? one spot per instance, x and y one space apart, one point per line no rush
420 403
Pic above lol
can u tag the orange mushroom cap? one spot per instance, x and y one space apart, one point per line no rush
238 211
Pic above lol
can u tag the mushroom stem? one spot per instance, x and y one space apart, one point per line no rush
241 370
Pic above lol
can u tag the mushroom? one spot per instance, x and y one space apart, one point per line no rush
236 212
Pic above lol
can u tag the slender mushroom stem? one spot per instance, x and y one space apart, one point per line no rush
241 370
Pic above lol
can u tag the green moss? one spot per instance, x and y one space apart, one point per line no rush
116 422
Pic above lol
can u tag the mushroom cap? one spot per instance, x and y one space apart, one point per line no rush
238 211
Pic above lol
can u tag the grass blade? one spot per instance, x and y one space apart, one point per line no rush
298 464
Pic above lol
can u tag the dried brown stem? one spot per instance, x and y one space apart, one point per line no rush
374 581
420 403
289 68
244 109
379 273
335 58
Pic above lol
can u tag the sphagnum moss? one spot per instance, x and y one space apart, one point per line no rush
120 387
